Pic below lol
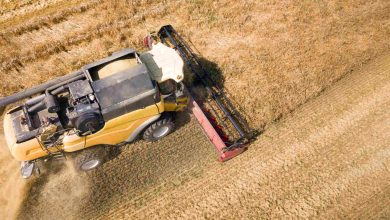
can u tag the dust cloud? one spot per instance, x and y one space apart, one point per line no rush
13 188
59 191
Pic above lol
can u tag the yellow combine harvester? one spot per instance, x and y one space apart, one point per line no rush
108 102
115 100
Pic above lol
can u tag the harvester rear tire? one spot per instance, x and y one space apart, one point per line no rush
159 129
90 158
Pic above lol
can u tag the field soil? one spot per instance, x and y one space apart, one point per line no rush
312 76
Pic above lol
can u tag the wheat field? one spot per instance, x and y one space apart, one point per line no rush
273 57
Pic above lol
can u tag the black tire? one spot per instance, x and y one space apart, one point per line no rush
90 158
159 129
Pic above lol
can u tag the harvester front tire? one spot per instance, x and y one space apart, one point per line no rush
91 158
159 129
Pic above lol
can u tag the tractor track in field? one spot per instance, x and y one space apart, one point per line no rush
49 15
50 37
43 51
9 10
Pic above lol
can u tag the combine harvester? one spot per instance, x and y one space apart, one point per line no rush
115 100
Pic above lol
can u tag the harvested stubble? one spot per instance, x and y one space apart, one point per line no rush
273 56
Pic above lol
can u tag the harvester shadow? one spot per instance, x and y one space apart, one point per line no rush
217 78
215 73
182 118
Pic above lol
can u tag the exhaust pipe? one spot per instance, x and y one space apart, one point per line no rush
37 89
